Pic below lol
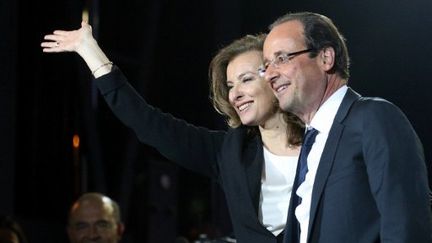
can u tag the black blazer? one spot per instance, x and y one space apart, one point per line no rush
371 183
233 158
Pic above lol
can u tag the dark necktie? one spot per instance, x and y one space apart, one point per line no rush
292 228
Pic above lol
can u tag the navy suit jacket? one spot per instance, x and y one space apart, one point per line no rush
371 183
233 158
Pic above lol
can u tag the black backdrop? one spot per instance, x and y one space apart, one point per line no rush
164 47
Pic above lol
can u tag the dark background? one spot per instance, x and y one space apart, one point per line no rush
164 47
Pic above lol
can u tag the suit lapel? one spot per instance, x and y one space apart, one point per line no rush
323 171
328 155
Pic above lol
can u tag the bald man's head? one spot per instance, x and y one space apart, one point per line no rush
94 217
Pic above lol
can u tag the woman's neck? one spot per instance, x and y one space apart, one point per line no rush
275 137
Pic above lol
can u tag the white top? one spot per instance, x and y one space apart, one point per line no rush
322 121
276 186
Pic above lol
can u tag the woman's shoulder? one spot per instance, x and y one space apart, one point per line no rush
242 135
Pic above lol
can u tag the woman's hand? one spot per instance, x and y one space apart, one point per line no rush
68 41
82 42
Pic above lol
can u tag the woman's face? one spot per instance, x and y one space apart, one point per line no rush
249 94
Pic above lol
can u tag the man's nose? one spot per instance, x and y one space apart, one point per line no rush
271 75
94 232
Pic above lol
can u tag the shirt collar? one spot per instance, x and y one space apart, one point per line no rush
323 119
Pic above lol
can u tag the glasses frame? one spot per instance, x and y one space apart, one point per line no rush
280 59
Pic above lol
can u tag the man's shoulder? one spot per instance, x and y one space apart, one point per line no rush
358 107
376 110
373 105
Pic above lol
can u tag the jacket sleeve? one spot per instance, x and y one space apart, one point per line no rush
192 147
397 174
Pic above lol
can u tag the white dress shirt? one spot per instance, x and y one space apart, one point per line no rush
276 186
322 121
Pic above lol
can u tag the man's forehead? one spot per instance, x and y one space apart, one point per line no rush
92 212
90 218
286 37
291 26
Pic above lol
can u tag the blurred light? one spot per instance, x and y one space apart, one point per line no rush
165 181
76 141
85 15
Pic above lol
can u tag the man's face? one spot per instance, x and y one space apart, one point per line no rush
93 222
298 82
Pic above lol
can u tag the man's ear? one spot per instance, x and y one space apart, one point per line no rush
120 229
327 58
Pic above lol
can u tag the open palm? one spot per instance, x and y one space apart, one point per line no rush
64 41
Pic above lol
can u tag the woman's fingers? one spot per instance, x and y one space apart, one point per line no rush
55 43
50 47
61 32
54 37
49 44
62 40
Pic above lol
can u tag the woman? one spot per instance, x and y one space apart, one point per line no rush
254 161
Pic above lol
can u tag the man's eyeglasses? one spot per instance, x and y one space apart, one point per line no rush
282 58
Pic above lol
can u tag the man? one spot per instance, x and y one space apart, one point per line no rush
365 178
95 218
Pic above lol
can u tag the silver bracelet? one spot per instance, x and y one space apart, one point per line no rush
101 66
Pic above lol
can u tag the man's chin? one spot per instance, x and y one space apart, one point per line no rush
285 105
